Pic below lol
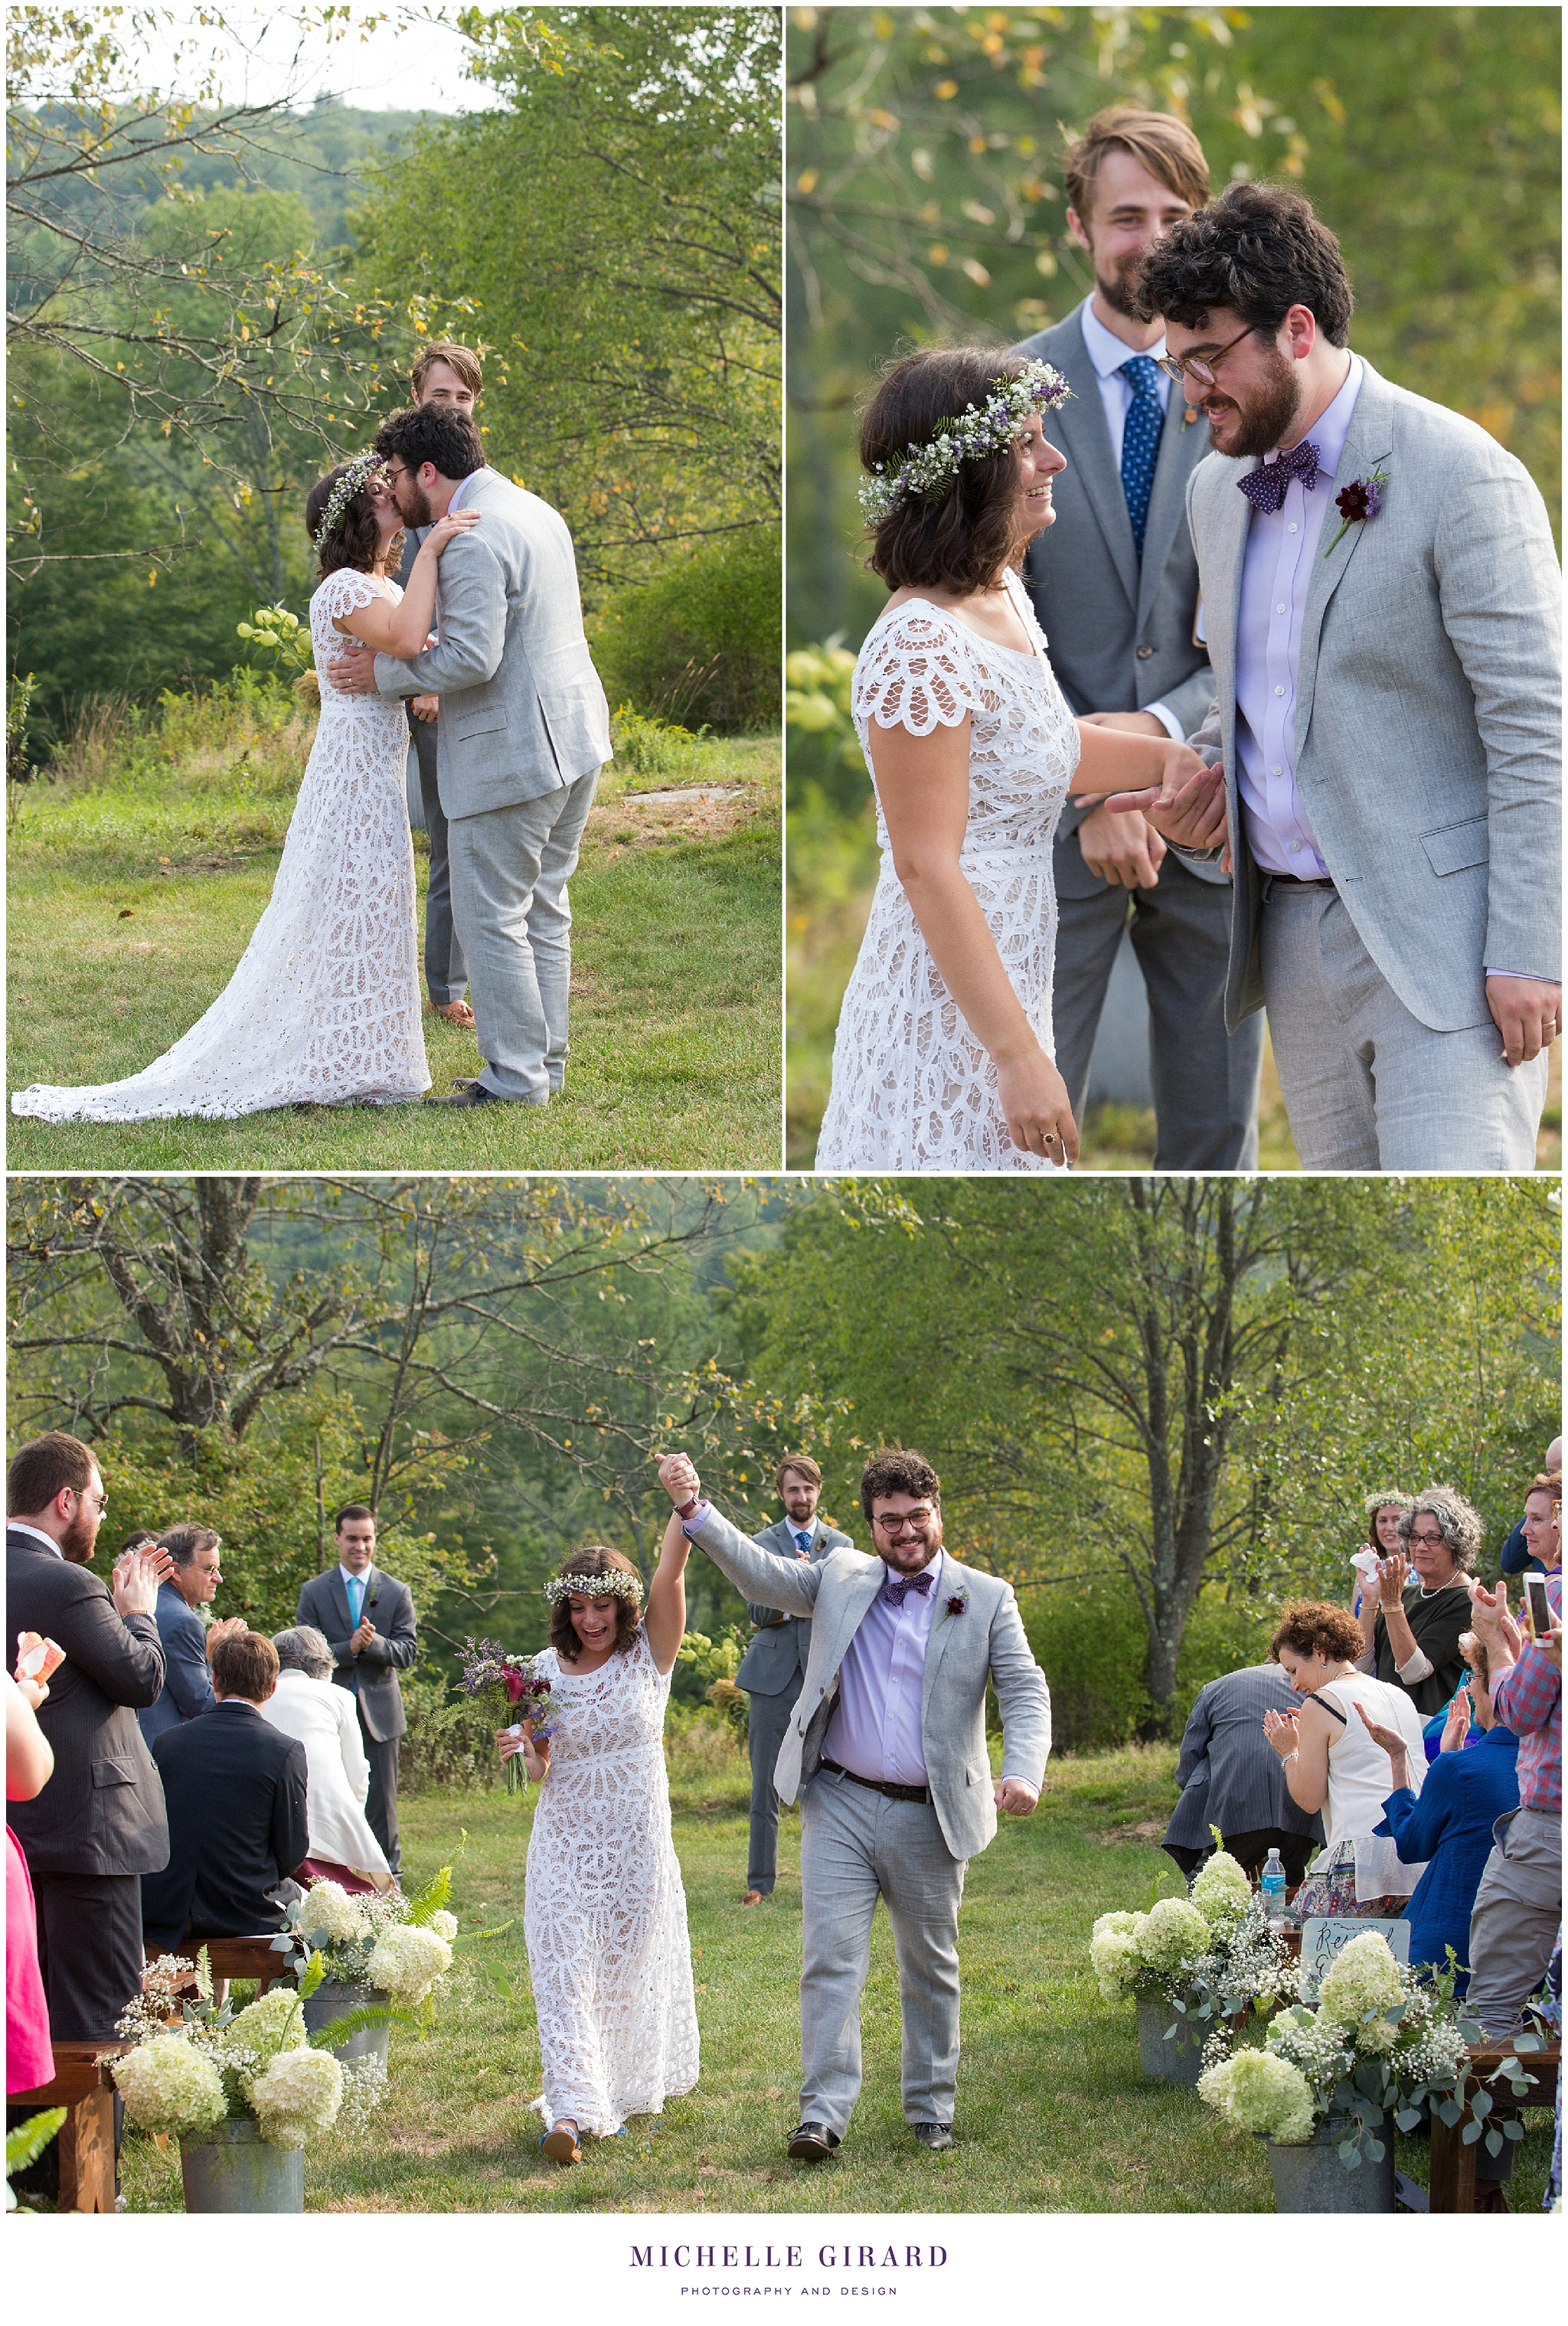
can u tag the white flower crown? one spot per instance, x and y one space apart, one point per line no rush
614 1585
362 466
929 469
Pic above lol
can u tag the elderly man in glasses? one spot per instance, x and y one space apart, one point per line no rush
1381 607
887 1752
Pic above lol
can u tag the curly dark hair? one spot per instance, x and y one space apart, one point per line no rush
964 541
448 440
354 541
595 1559
1311 1627
897 1470
1260 251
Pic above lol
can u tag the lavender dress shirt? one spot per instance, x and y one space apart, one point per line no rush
1277 570
876 1729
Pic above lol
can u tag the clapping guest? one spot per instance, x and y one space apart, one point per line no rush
192 1585
1384 1511
367 1620
1448 1827
1515 1557
98 1825
238 1824
1331 1764
1424 1603
306 1705
29 1766
1229 1778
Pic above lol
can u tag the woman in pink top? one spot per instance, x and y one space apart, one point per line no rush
29 1766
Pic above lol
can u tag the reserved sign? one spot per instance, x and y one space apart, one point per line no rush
1323 1935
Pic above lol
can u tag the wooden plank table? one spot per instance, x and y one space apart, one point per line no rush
1456 2163
86 2140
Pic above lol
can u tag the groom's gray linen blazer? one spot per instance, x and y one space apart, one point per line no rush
1428 722
522 711
987 1641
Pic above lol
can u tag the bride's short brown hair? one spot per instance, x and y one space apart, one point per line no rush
354 540
962 541
595 1559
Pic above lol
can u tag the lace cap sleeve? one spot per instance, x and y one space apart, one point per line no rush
913 671
343 592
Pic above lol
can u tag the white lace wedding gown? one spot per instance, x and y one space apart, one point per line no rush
325 1004
605 1916
913 1088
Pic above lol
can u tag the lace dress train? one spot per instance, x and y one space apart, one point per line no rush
605 1916
324 1005
913 1088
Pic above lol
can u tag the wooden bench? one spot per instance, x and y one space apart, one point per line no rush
226 1959
86 2140
1456 2163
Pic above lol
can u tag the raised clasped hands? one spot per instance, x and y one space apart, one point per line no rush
1393 1744
1282 1732
678 1476
364 1632
1392 1574
1490 1616
134 1578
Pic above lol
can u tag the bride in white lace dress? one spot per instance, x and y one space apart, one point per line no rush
324 1005
606 1912
943 1059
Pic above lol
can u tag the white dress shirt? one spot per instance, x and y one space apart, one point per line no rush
1107 353
19 1526
875 1729
1282 552
351 1583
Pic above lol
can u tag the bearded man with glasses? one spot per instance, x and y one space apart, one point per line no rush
1381 607
887 1752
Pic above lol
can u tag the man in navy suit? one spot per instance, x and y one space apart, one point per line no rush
367 1620
187 1680
774 1665
236 1789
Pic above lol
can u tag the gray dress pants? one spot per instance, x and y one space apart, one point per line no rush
381 1803
1204 1080
1515 1921
509 870
767 1719
446 974
855 1846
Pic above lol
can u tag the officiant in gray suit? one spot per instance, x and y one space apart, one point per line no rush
367 1620
887 1752
1383 603
1115 586
774 1665
523 731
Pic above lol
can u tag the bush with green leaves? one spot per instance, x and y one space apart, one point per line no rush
698 644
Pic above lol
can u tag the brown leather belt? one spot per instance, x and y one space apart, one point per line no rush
876 1785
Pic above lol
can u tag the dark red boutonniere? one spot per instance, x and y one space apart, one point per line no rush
954 1606
1361 500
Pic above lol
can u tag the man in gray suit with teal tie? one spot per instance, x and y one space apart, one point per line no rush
1115 586
774 1665
369 1623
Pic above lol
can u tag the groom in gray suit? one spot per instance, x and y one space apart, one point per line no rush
1115 586
1382 604
887 1752
523 731
773 1666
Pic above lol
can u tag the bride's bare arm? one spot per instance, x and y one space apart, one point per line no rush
403 627
1183 797
666 1621
924 785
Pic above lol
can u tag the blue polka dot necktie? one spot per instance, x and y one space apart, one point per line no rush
1140 441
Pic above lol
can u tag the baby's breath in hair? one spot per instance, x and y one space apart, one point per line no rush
616 1585
929 469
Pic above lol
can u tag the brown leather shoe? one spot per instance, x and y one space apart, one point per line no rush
752 1898
456 1013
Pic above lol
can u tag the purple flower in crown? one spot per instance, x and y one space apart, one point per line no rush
1360 501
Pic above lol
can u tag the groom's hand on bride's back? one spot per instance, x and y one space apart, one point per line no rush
678 1476
353 671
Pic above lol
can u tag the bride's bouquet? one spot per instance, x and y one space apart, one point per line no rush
515 1692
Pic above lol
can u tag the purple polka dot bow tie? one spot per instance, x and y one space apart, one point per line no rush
895 1591
1266 488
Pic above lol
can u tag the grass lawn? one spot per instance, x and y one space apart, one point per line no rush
133 895
1053 2113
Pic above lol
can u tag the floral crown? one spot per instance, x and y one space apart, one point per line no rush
363 466
616 1585
929 469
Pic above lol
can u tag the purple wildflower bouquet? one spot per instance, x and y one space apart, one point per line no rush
515 1691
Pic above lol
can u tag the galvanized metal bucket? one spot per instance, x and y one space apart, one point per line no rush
1178 2059
232 2169
1311 2179
331 2001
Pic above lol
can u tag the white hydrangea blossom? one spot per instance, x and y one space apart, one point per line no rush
1222 1891
252 2036
1173 1933
1258 2091
1117 1954
443 1924
1363 1979
327 1911
407 1960
169 2085
297 2094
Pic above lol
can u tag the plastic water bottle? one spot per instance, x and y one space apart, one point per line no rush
1271 1885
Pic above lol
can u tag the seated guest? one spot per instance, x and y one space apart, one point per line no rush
238 1826
1516 1556
187 1681
1380 1540
308 1705
1449 1826
1422 1614
29 1766
1229 1778
1329 1758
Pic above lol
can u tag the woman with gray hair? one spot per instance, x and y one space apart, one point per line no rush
308 1705
1424 1599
